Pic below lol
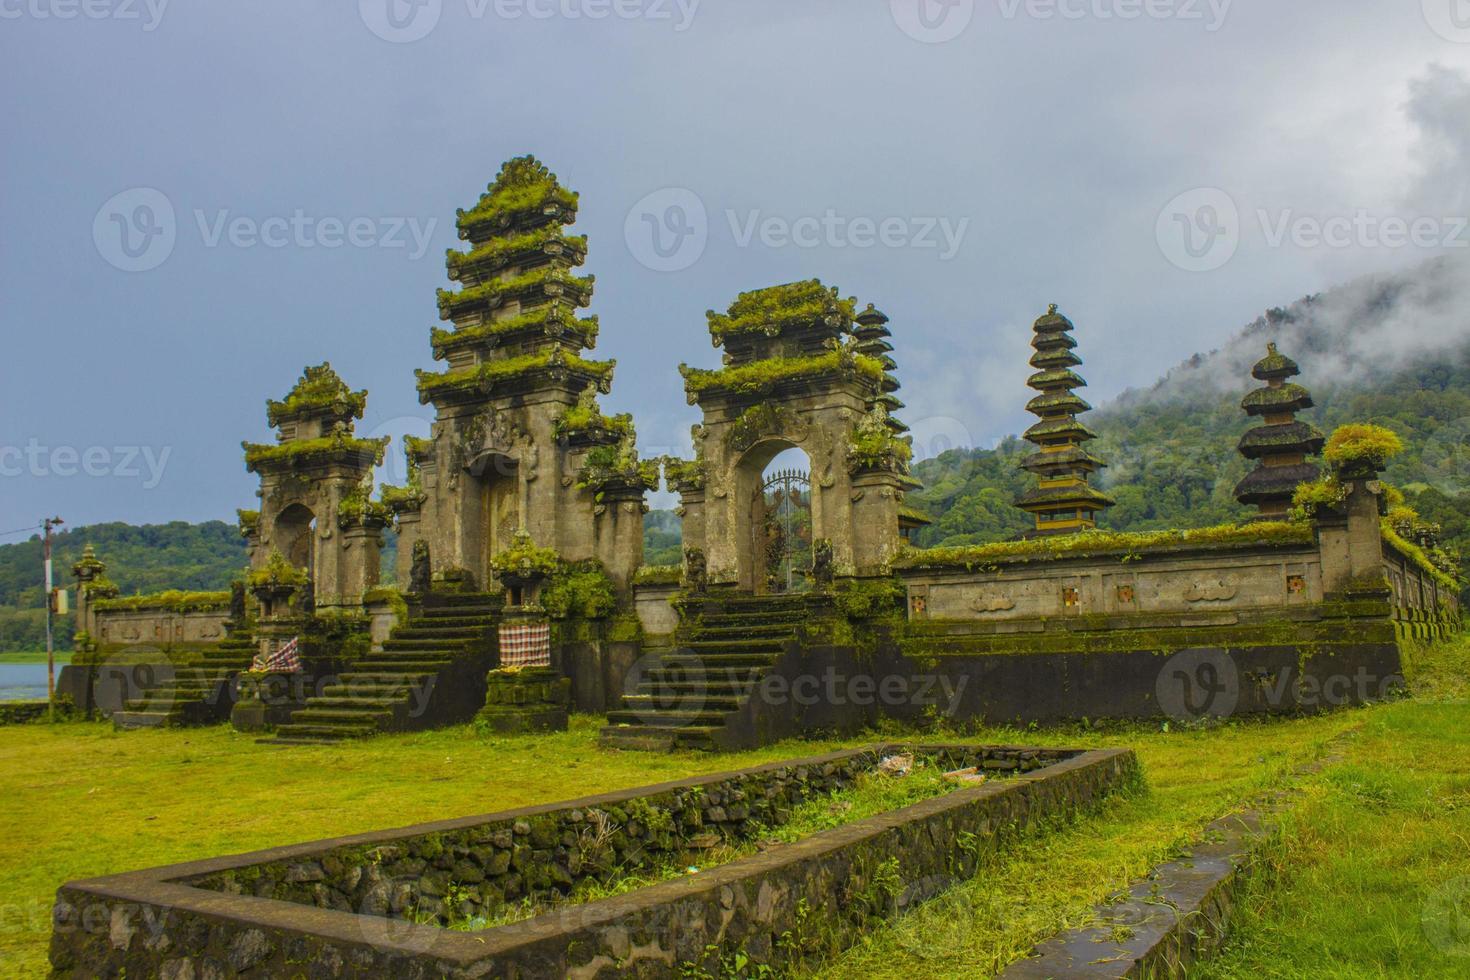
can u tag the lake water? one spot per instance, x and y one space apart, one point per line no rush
23 682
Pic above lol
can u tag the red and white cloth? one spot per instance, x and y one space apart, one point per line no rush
525 645
286 659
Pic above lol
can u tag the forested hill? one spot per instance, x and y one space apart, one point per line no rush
149 558
1390 350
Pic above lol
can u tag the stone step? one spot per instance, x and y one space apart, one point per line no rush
719 687
646 704
461 634
659 737
752 619
145 718
745 631
386 677
415 666
706 678
772 645
460 600
355 702
708 661
293 732
427 644
452 622
669 719
357 716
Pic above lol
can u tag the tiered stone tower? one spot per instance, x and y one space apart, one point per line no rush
1064 502
518 442
315 485
1281 445
796 374
870 330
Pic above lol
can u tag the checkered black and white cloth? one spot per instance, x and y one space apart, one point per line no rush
525 645
286 660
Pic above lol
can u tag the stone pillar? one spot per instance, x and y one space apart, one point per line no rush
532 698
358 566
410 528
691 518
620 536
1351 540
874 531
89 573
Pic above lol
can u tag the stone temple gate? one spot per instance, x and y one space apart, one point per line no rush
316 482
802 370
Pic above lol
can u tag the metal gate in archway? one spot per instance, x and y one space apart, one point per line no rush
787 512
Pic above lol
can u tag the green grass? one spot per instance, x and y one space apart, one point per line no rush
1375 834
33 657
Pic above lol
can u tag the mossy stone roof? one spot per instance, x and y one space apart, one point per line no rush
1071 459
523 192
1054 429
1057 378
1054 360
1052 322
1274 366
1054 403
321 393
775 310
1273 483
1287 398
1080 495
1267 440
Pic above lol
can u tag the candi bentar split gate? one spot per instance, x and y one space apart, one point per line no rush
526 504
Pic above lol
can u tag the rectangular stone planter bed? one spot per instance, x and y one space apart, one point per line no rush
360 906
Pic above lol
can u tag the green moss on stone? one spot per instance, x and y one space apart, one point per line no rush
307 451
761 376
484 376
175 601
1101 543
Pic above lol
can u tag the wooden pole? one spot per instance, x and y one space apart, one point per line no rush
47 525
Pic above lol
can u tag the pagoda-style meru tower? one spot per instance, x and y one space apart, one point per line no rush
1280 446
519 442
1064 502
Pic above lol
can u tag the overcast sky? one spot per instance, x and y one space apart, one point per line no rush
201 198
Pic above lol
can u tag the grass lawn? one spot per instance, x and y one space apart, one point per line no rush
33 657
1374 835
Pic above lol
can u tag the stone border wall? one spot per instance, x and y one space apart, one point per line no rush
1422 607
778 906
162 630
1182 587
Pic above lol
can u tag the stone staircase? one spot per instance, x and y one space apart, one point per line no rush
202 694
430 673
694 695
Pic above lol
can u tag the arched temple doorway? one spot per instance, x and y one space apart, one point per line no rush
500 506
295 537
775 550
